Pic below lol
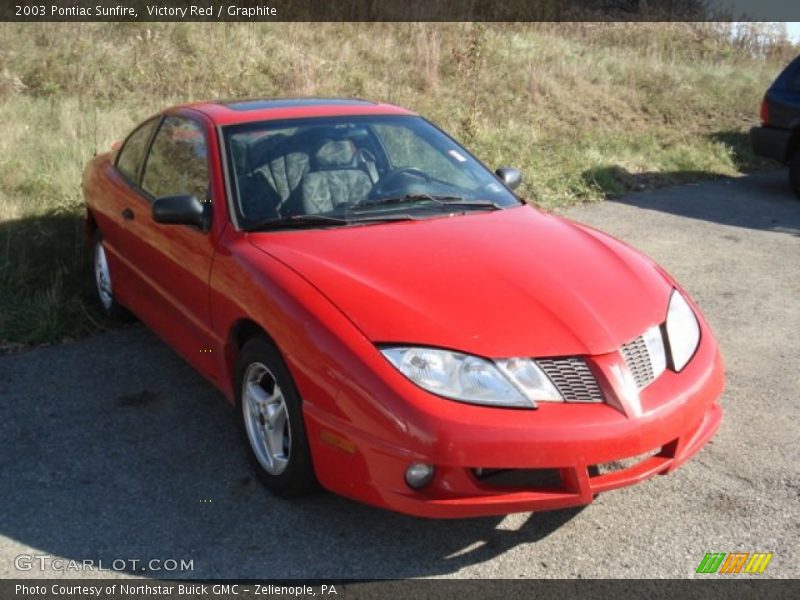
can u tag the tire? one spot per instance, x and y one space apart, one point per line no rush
271 420
103 285
794 174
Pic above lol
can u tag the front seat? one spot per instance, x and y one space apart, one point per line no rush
335 180
284 173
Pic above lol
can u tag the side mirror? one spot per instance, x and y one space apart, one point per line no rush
181 210
510 176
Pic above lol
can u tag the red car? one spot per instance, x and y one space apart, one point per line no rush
393 322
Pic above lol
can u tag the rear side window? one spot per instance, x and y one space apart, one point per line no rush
177 162
130 156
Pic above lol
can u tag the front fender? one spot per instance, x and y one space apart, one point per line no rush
331 361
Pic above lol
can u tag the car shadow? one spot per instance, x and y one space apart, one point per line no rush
737 144
614 180
761 201
45 280
139 459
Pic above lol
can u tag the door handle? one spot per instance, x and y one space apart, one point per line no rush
127 214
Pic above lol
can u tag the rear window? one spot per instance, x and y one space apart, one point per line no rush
794 82
790 77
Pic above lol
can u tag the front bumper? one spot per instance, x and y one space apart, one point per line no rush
570 445
458 492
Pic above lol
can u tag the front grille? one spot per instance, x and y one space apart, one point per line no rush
637 357
572 379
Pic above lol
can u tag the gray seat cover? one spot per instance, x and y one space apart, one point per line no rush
336 181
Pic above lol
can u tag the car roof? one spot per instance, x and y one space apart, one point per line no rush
263 109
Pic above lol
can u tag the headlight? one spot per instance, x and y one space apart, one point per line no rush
514 382
683 331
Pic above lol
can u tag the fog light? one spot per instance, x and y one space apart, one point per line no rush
418 475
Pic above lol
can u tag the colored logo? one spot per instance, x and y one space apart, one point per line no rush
735 562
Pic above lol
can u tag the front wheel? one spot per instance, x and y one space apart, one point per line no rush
794 174
272 420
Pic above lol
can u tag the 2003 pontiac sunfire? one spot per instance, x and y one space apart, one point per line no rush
392 321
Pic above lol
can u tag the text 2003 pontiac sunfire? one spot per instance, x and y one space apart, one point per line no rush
392 321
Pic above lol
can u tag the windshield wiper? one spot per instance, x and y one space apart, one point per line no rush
439 200
295 221
317 220
357 217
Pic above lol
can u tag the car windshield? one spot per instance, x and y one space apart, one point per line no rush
336 171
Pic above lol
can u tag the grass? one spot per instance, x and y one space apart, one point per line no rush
585 109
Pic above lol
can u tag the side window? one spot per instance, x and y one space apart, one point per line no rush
177 163
406 149
130 156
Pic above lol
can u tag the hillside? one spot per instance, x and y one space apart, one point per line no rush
584 109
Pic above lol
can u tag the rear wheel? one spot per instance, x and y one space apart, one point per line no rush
102 280
272 421
794 174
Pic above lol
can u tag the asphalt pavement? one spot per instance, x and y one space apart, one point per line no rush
112 449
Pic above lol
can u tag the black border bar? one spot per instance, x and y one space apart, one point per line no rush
708 587
398 10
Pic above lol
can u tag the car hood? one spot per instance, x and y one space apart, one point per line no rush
515 282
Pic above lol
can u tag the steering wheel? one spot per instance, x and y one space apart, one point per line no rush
364 156
392 176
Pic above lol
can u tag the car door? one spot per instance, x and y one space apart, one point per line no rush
173 262
113 191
